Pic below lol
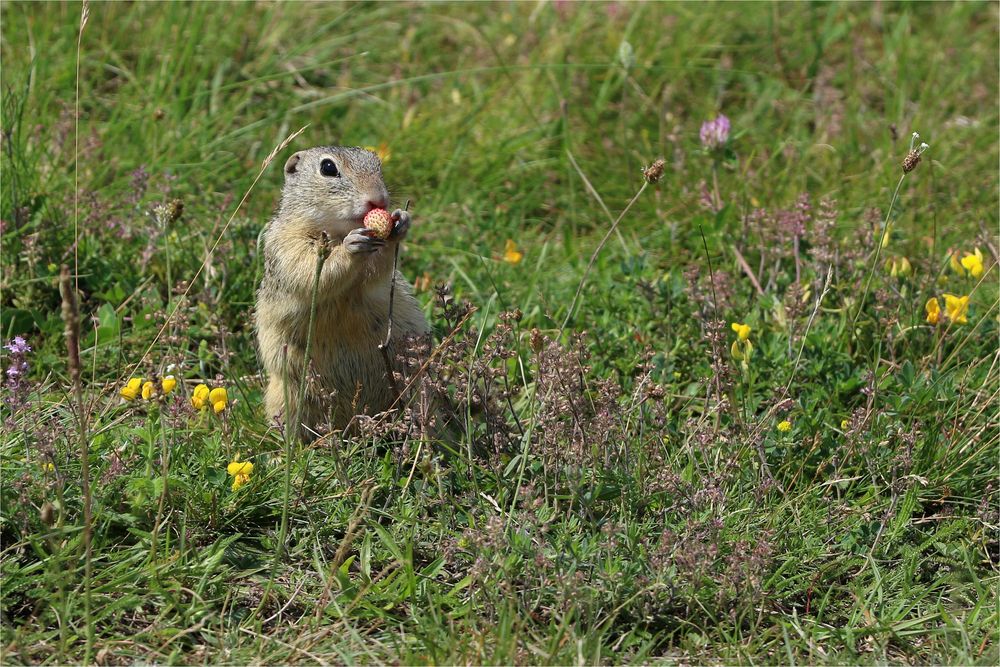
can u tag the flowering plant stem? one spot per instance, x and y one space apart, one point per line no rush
384 347
293 426
71 319
878 252
597 251
164 469
715 185
322 252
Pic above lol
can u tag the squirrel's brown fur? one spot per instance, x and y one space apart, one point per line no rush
348 373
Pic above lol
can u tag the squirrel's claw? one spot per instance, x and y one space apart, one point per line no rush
401 223
361 241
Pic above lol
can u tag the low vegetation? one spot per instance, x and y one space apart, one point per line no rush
739 407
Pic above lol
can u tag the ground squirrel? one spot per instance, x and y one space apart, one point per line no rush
330 189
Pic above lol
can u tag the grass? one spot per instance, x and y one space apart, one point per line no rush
628 497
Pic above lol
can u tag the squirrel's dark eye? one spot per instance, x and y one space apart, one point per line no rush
328 168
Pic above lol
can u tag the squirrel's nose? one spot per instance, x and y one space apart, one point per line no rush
378 202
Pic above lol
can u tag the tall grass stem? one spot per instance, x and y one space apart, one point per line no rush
71 319
597 251
878 253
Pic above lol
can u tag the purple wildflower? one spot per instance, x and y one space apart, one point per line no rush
17 370
715 133
18 346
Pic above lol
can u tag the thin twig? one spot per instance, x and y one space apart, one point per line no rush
392 295
593 193
84 16
384 347
71 318
293 423
809 323
878 252
73 345
323 248
747 270
711 272
597 251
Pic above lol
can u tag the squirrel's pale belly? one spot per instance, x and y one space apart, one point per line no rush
348 374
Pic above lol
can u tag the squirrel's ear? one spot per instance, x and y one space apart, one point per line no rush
293 163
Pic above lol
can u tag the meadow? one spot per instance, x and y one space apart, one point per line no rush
742 411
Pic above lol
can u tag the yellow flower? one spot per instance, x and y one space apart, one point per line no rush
955 264
844 423
741 350
240 480
973 263
131 389
888 233
237 467
48 466
933 309
218 398
956 307
898 266
511 254
382 150
200 396
785 426
147 391
240 471
742 330
168 384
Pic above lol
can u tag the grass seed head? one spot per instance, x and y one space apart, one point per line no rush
654 172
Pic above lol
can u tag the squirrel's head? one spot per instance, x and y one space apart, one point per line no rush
333 187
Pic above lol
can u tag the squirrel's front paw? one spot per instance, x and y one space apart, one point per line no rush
361 242
400 223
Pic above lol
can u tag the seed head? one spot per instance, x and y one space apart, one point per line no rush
654 172
912 158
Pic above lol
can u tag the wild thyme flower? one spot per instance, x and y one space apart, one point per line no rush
715 133
18 345
17 372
